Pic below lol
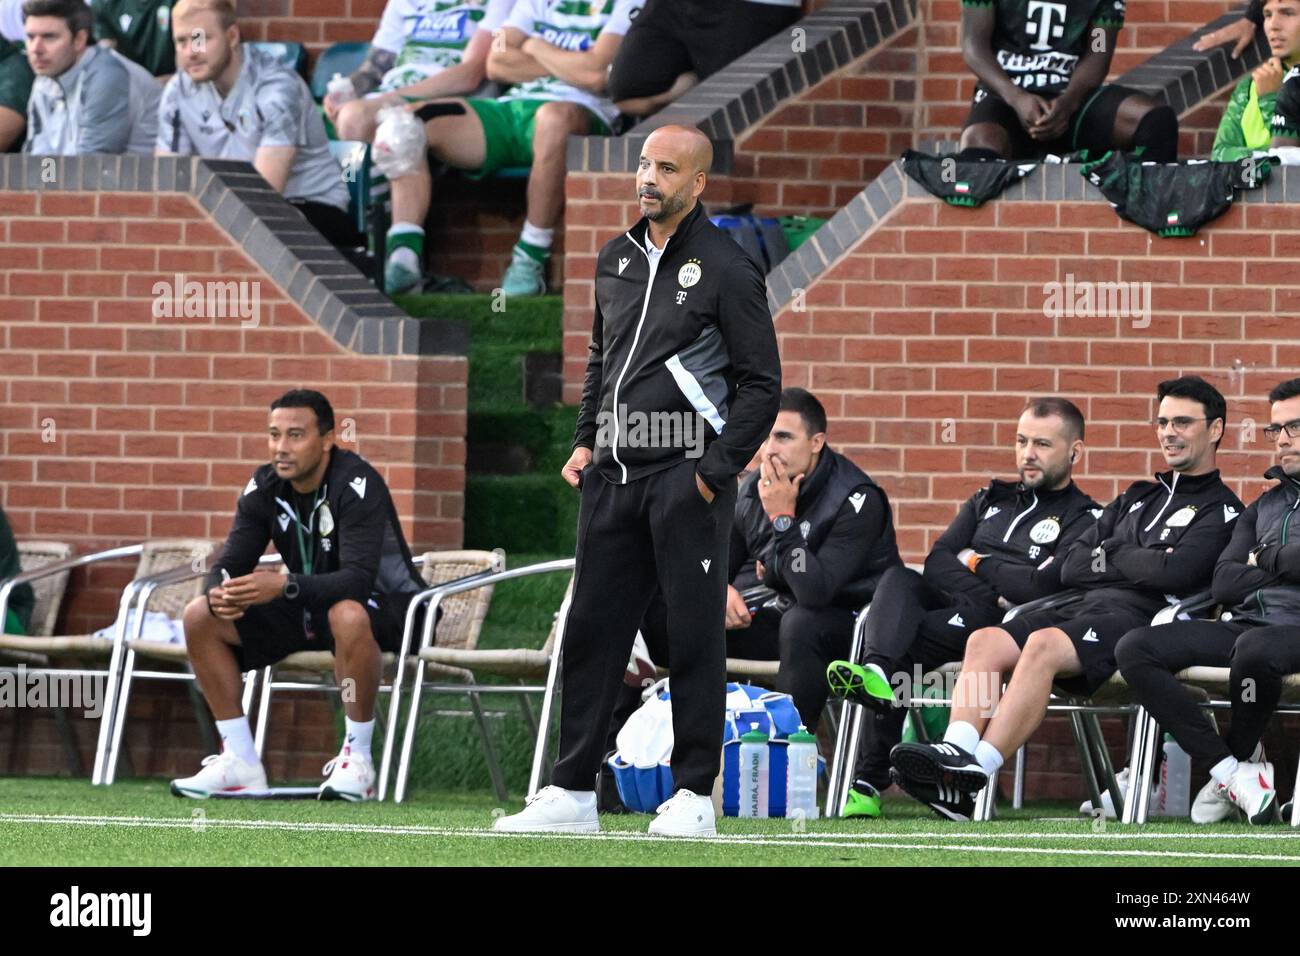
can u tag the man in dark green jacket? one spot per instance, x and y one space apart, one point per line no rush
18 616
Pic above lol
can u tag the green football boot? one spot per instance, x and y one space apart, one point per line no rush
863 801
863 684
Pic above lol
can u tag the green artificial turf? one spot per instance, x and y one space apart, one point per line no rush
70 823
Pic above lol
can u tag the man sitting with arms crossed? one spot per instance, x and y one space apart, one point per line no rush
349 583
228 101
1154 543
1000 550
86 99
423 49
1257 580
1042 83
557 53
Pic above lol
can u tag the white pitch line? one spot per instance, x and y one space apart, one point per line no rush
783 840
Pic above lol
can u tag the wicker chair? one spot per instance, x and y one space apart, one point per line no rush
50 652
49 590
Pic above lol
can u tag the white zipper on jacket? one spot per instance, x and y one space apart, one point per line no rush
1166 504
653 263
1007 537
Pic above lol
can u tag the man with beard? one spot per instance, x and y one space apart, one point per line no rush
682 333
1000 550
1257 580
229 101
1154 544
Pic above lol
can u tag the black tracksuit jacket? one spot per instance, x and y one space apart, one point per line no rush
354 536
693 336
1161 540
1267 592
1019 529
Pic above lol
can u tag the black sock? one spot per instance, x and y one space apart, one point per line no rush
1156 135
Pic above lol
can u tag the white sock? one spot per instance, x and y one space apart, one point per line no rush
536 236
1222 771
962 734
1257 755
989 757
586 799
357 734
400 228
237 736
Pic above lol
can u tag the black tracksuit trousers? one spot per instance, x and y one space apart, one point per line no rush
657 531
1258 658
910 623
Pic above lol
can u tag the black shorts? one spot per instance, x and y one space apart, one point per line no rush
270 632
1093 634
1092 127
672 37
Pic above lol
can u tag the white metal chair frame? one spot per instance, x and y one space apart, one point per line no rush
1146 731
476 688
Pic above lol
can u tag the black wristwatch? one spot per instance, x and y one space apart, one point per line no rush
291 587
782 523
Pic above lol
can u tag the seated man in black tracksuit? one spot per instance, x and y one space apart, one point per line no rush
1156 542
1000 550
815 528
1257 580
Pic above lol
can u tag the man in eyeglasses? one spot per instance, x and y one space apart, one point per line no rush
1257 580
1155 543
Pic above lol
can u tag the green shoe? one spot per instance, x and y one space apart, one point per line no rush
861 804
863 684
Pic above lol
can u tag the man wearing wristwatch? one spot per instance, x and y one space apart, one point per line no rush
999 550
348 584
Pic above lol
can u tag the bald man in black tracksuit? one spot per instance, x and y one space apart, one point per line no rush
682 386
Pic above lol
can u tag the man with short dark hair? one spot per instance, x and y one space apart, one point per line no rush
1155 543
1257 580
1000 550
814 527
86 99
348 584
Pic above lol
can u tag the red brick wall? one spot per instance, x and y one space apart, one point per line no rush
157 423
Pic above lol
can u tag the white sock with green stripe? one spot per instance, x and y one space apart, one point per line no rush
406 246
536 241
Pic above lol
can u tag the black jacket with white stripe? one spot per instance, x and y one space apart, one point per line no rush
1155 543
1021 531
349 530
683 359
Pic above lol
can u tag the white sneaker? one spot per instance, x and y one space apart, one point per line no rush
1212 804
1108 804
553 810
349 777
221 773
1251 791
685 814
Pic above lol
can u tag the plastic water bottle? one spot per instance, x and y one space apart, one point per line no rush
753 773
340 87
1175 796
801 775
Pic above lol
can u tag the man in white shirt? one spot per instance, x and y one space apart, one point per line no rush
556 54
423 50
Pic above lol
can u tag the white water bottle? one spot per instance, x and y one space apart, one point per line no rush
801 775
1175 780
341 89
753 773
